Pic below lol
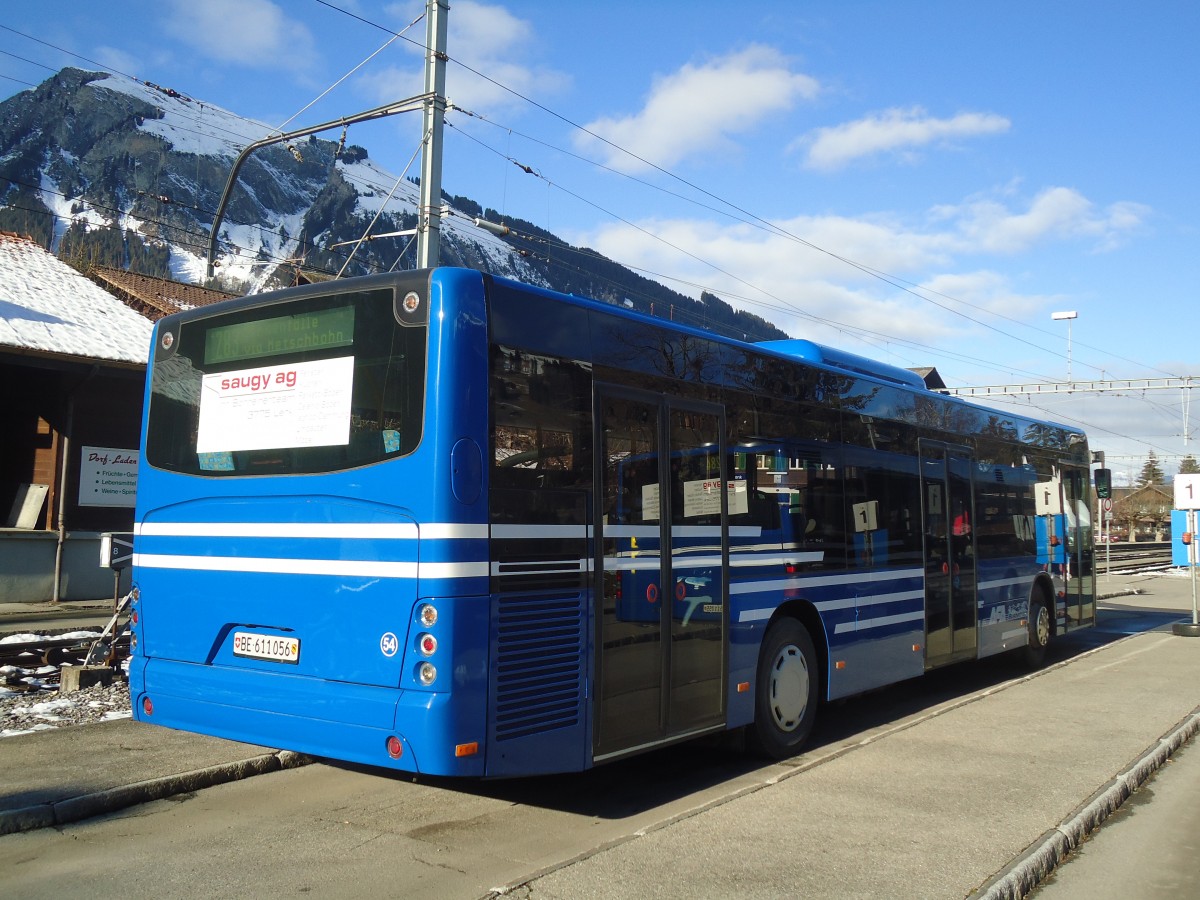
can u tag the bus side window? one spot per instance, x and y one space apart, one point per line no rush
799 526
764 511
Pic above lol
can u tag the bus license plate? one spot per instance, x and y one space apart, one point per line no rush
266 646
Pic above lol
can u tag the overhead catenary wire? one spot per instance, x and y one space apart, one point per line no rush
750 217
395 37
383 205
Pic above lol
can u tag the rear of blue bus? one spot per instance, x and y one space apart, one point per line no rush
310 549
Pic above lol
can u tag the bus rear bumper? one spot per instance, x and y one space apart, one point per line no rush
339 720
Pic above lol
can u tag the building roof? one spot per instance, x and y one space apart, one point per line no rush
931 377
155 297
49 309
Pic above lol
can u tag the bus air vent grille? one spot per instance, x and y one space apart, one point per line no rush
539 661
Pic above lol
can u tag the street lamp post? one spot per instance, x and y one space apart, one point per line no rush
1068 316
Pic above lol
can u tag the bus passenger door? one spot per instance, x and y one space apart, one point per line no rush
660 573
1080 576
951 612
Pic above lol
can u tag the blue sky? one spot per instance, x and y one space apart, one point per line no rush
922 182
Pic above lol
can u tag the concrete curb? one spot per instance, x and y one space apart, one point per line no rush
74 809
1041 858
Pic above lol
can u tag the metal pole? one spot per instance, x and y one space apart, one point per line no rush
1182 628
412 104
1192 561
1069 377
429 215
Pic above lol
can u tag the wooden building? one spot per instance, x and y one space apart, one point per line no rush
72 371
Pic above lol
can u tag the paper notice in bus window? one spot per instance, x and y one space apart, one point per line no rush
650 502
702 498
739 497
271 407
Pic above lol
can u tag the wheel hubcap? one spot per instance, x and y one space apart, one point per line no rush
789 688
1043 626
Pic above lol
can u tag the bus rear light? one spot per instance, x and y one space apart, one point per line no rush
427 615
133 617
427 644
791 568
427 673
148 706
467 749
395 748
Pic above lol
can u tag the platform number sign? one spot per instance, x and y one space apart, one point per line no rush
1187 491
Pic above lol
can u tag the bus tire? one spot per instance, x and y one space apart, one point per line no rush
785 703
1040 629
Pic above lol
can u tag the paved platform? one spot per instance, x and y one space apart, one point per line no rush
1003 788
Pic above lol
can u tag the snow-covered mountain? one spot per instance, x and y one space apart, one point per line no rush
107 169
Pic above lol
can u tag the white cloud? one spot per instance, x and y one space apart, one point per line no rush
256 33
1056 213
986 291
700 107
862 281
792 285
895 130
488 39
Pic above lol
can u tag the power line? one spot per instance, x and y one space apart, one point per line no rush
746 216
887 278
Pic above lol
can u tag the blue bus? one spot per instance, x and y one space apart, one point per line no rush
448 523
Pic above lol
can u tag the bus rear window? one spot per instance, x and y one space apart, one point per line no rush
321 383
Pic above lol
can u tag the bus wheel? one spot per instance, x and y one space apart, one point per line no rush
1039 631
786 694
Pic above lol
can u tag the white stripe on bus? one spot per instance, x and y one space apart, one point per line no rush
808 582
880 622
357 567
368 530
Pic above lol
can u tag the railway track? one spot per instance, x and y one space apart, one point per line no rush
30 662
1133 557
37 664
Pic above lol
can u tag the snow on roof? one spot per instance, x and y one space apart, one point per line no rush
48 307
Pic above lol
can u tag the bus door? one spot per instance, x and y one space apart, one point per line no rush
1080 577
661 609
948 519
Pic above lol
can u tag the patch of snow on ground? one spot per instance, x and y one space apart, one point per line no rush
29 702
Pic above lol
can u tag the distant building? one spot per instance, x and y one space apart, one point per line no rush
154 297
1143 513
932 379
